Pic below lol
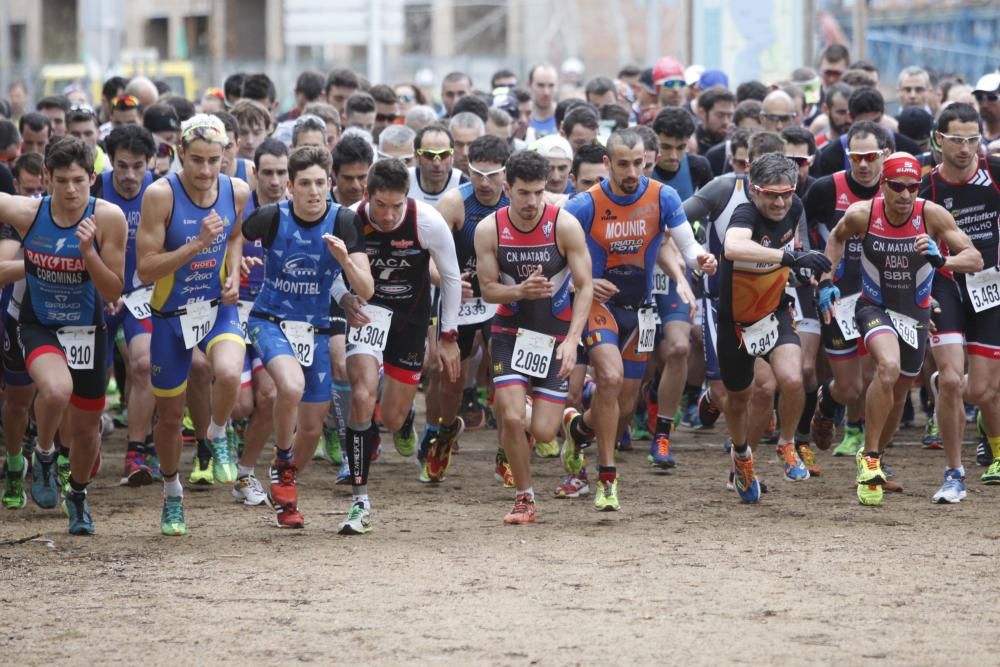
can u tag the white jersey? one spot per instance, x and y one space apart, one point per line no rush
432 198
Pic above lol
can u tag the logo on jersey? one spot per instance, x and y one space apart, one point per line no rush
843 200
547 230
203 264
401 243
608 215
506 235
949 202
299 266
877 225
202 276
627 247
916 222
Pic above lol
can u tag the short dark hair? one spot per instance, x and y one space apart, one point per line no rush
232 88
501 74
564 107
132 138
35 120
674 122
798 135
835 53
65 151
751 90
528 166
433 127
183 106
310 85
275 147
342 78
589 154
863 65
750 108
650 141
31 163
865 100
352 149
584 115
709 98
162 87
53 102
866 128
229 122
304 157
858 78
764 142
960 111
473 104
388 174
112 86
599 85
456 76
489 148
360 103
522 95
383 94
629 71
627 137
9 136
259 86
615 113
740 139
840 88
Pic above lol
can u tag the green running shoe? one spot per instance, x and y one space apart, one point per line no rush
606 499
223 468
202 475
547 450
992 474
870 494
639 430
572 451
870 471
853 442
331 445
932 438
172 518
358 522
405 439
14 495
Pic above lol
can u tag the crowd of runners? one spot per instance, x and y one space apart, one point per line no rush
581 264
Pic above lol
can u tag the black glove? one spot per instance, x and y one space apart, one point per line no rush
806 264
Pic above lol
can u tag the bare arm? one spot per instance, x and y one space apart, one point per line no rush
11 268
18 212
573 245
740 247
855 221
107 267
963 256
670 261
359 274
452 209
487 267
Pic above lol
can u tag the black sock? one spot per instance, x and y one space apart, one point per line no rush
691 393
78 487
204 453
63 451
580 431
135 446
664 425
607 473
807 411
359 451
828 406
740 449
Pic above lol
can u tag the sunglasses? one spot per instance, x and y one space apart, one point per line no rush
986 97
896 186
386 117
436 155
405 99
833 72
869 157
778 117
956 140
674 83
82 110
165 150
774 194
485 174
125 102
801 160
386 156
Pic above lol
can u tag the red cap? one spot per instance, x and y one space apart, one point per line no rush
901 164
667 68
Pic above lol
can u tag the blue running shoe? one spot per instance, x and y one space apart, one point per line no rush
795 469
659 452
344 474
747 486
953 489
625 442
44 481
691 417
78 510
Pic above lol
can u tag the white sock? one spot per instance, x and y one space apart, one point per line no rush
244 471
361 498
173 488
216 431
46 453
530 492
961 471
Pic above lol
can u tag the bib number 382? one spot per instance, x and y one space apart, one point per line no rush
374 334
78 344
760 337
300 337
533 353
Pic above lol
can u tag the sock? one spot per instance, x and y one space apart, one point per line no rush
359 492
203 452
429 432
172 488
216 430
63 452
135 446
77 487
530 492
805 419
860 425
580 431
994 445
47 454
283 455
742 451
783 441
827 406
875 454
244 471
359 450
607 473
15 462
664 425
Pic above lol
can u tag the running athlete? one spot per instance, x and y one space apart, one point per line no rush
756 314
189 245
900 235
625 218
402 236
307 241
527 255
967 185
232 165
463 209
74 256
825 204
434 174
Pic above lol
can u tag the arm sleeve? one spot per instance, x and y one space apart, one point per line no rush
802 229
350 230
708 202
818 204
339 288
435 237
262 225
673 220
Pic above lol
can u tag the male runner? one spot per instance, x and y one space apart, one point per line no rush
434 174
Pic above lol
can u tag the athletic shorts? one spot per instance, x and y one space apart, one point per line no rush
959 323
403 357
14 371
270 342
338 319
805 297
874 321
171 361
735 363
550 388
251 364
710 336
467 337
88 385
612 325
836 346
132 327
670 306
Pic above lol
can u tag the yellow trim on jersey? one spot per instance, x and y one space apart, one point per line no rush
170 393
162 290
225 336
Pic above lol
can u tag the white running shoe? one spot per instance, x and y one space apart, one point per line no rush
249 491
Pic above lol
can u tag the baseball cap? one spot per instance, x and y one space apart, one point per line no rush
693 73
713 77
646 79
161 118
915 123
553 146
988 83
667 68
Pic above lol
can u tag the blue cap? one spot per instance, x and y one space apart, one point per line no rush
713 77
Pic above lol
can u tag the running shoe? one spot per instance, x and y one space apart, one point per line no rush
573 486
853 442
318 454
223 469
358 522
727 445
690 417
120 417
249 491
808 458
745 482
405 439
283 497
523 512
77 508
376 442
659 452
153 463
547 450
502 473
14 495
992 474
731 482
771 434
970 413
625 441
344 474
821 427
172 517
794 469
187 427
439 452
63 470
572 451
137 473
606 499
639 430
869 469
107 425
984 453
953 489
331 445
44 481
870 494
932 439
472 411
708 412
200 474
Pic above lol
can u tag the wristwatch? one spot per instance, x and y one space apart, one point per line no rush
450 336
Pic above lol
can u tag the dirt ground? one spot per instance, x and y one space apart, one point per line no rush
684 574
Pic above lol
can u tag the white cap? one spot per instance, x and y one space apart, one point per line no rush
553 146
572 66
692 74
988 83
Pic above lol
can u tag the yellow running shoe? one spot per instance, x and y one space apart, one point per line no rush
606 499
201 475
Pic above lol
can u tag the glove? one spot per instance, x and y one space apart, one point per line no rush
806 264
933 254
828 293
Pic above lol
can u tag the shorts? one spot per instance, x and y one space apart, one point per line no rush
710 336
171 361
467 337
735 363
614 325
403 357
88 384
251 364
15 373
959 323
550 388
338 319
836 346
805 298
671 307
270 342
127 322
874 320
950 322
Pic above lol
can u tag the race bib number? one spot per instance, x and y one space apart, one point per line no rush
475 311
661 282
78 344
376 333
647 330
760 337
300 337
243 309
137 302
906 327
197 320
533 353
984 289
796 305
843 312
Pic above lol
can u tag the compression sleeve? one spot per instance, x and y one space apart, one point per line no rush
706 204
673 219
262 225
339 288
435 237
